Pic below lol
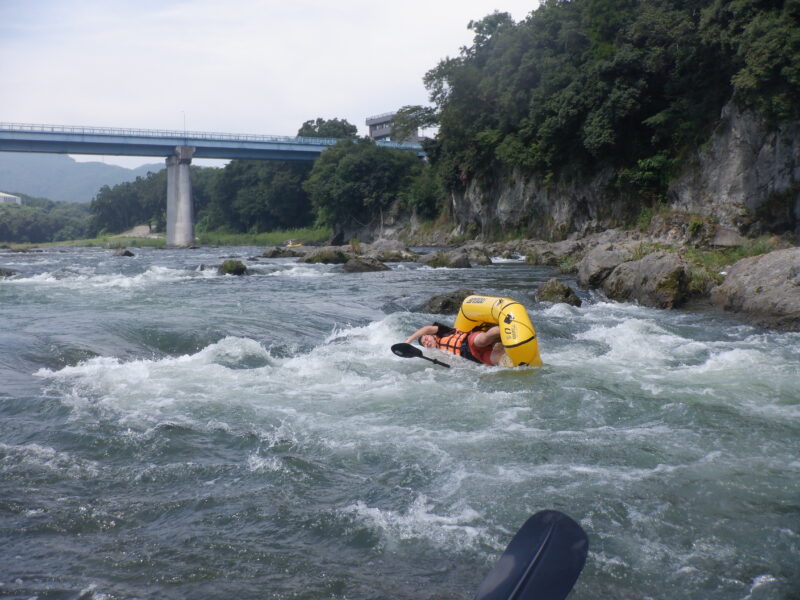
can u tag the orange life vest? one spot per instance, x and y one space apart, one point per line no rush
455 343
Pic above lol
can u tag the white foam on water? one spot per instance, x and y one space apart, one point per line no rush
455 531
38 457
761 581
301 270
85 278
502 260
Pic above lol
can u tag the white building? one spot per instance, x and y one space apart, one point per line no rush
381 128
9 199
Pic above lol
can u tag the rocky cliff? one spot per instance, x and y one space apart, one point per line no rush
746 178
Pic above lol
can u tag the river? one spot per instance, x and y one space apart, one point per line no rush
166 432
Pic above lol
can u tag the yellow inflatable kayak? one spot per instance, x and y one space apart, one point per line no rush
516 330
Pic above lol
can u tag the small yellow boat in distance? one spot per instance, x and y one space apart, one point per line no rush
293 244
516 330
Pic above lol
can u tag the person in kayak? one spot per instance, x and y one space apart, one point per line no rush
479 346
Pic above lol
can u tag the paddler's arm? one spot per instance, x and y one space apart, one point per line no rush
427 330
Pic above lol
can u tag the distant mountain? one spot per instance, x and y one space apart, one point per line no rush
60 177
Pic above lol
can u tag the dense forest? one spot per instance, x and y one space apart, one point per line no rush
40 220
352 184
576 87
587 84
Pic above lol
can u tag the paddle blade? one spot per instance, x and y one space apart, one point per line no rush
407 351
542 561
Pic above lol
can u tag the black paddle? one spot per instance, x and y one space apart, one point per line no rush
542 561
409 351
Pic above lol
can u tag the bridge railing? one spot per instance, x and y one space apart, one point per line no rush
183 136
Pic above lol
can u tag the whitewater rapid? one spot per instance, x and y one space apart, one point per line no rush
170 432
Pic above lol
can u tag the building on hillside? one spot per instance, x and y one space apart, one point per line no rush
9 199
380 128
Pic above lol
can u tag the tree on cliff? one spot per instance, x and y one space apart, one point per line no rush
353 183
629 85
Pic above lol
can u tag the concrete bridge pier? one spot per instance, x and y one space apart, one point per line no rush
180 211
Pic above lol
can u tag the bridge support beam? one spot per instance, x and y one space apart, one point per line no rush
180 211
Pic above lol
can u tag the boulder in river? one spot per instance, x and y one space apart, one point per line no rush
451 260
557 291
7 272
330 255
281 252
660 280
363 264
447 303
599 262
123 252
765 289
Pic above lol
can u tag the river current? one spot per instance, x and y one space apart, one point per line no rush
167 432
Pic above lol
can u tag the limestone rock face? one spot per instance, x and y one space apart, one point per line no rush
545 211
765 289
659 280
557 291
745 177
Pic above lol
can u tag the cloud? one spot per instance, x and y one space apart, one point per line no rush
236 66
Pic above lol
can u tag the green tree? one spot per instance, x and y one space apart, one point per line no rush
257 196
586 85
353 183
327 128
41 220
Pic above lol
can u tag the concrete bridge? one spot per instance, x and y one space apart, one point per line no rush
177 147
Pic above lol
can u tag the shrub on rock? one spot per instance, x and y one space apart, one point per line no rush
232 267
331 256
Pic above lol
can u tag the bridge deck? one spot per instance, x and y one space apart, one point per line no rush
64 139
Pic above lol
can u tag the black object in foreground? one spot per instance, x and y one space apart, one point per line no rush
542 561
408 351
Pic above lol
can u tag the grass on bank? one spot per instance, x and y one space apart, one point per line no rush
306 235
707 265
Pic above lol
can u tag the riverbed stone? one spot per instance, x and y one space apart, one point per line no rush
660 280
7 272
764 289
281 252
556 291
363 264
123 252
332 255
449 259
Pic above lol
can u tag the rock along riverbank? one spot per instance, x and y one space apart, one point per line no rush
626 266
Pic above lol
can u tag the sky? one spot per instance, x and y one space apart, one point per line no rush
228 66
